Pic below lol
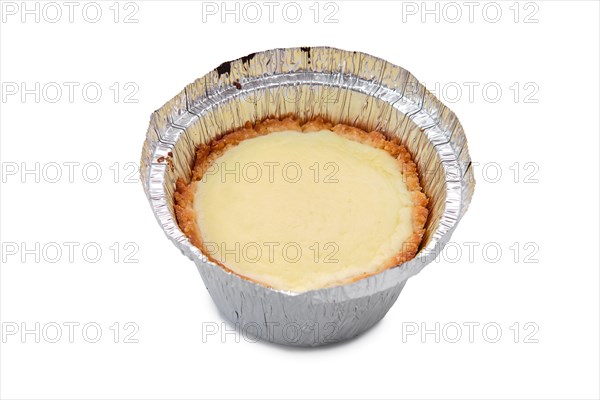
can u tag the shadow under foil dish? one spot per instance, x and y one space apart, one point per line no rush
381 176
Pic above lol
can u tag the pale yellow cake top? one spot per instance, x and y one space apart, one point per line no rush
300 211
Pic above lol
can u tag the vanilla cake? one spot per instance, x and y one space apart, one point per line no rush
303 206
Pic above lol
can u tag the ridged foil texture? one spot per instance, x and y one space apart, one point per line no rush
344 87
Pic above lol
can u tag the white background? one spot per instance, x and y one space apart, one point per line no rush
549 279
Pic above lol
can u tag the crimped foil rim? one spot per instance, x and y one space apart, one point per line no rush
180 114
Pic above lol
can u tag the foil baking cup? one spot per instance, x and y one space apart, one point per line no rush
341 86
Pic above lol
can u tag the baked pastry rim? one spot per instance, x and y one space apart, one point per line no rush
209 152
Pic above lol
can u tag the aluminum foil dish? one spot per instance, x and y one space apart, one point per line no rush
343 87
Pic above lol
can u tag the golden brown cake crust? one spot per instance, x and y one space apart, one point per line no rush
206 154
